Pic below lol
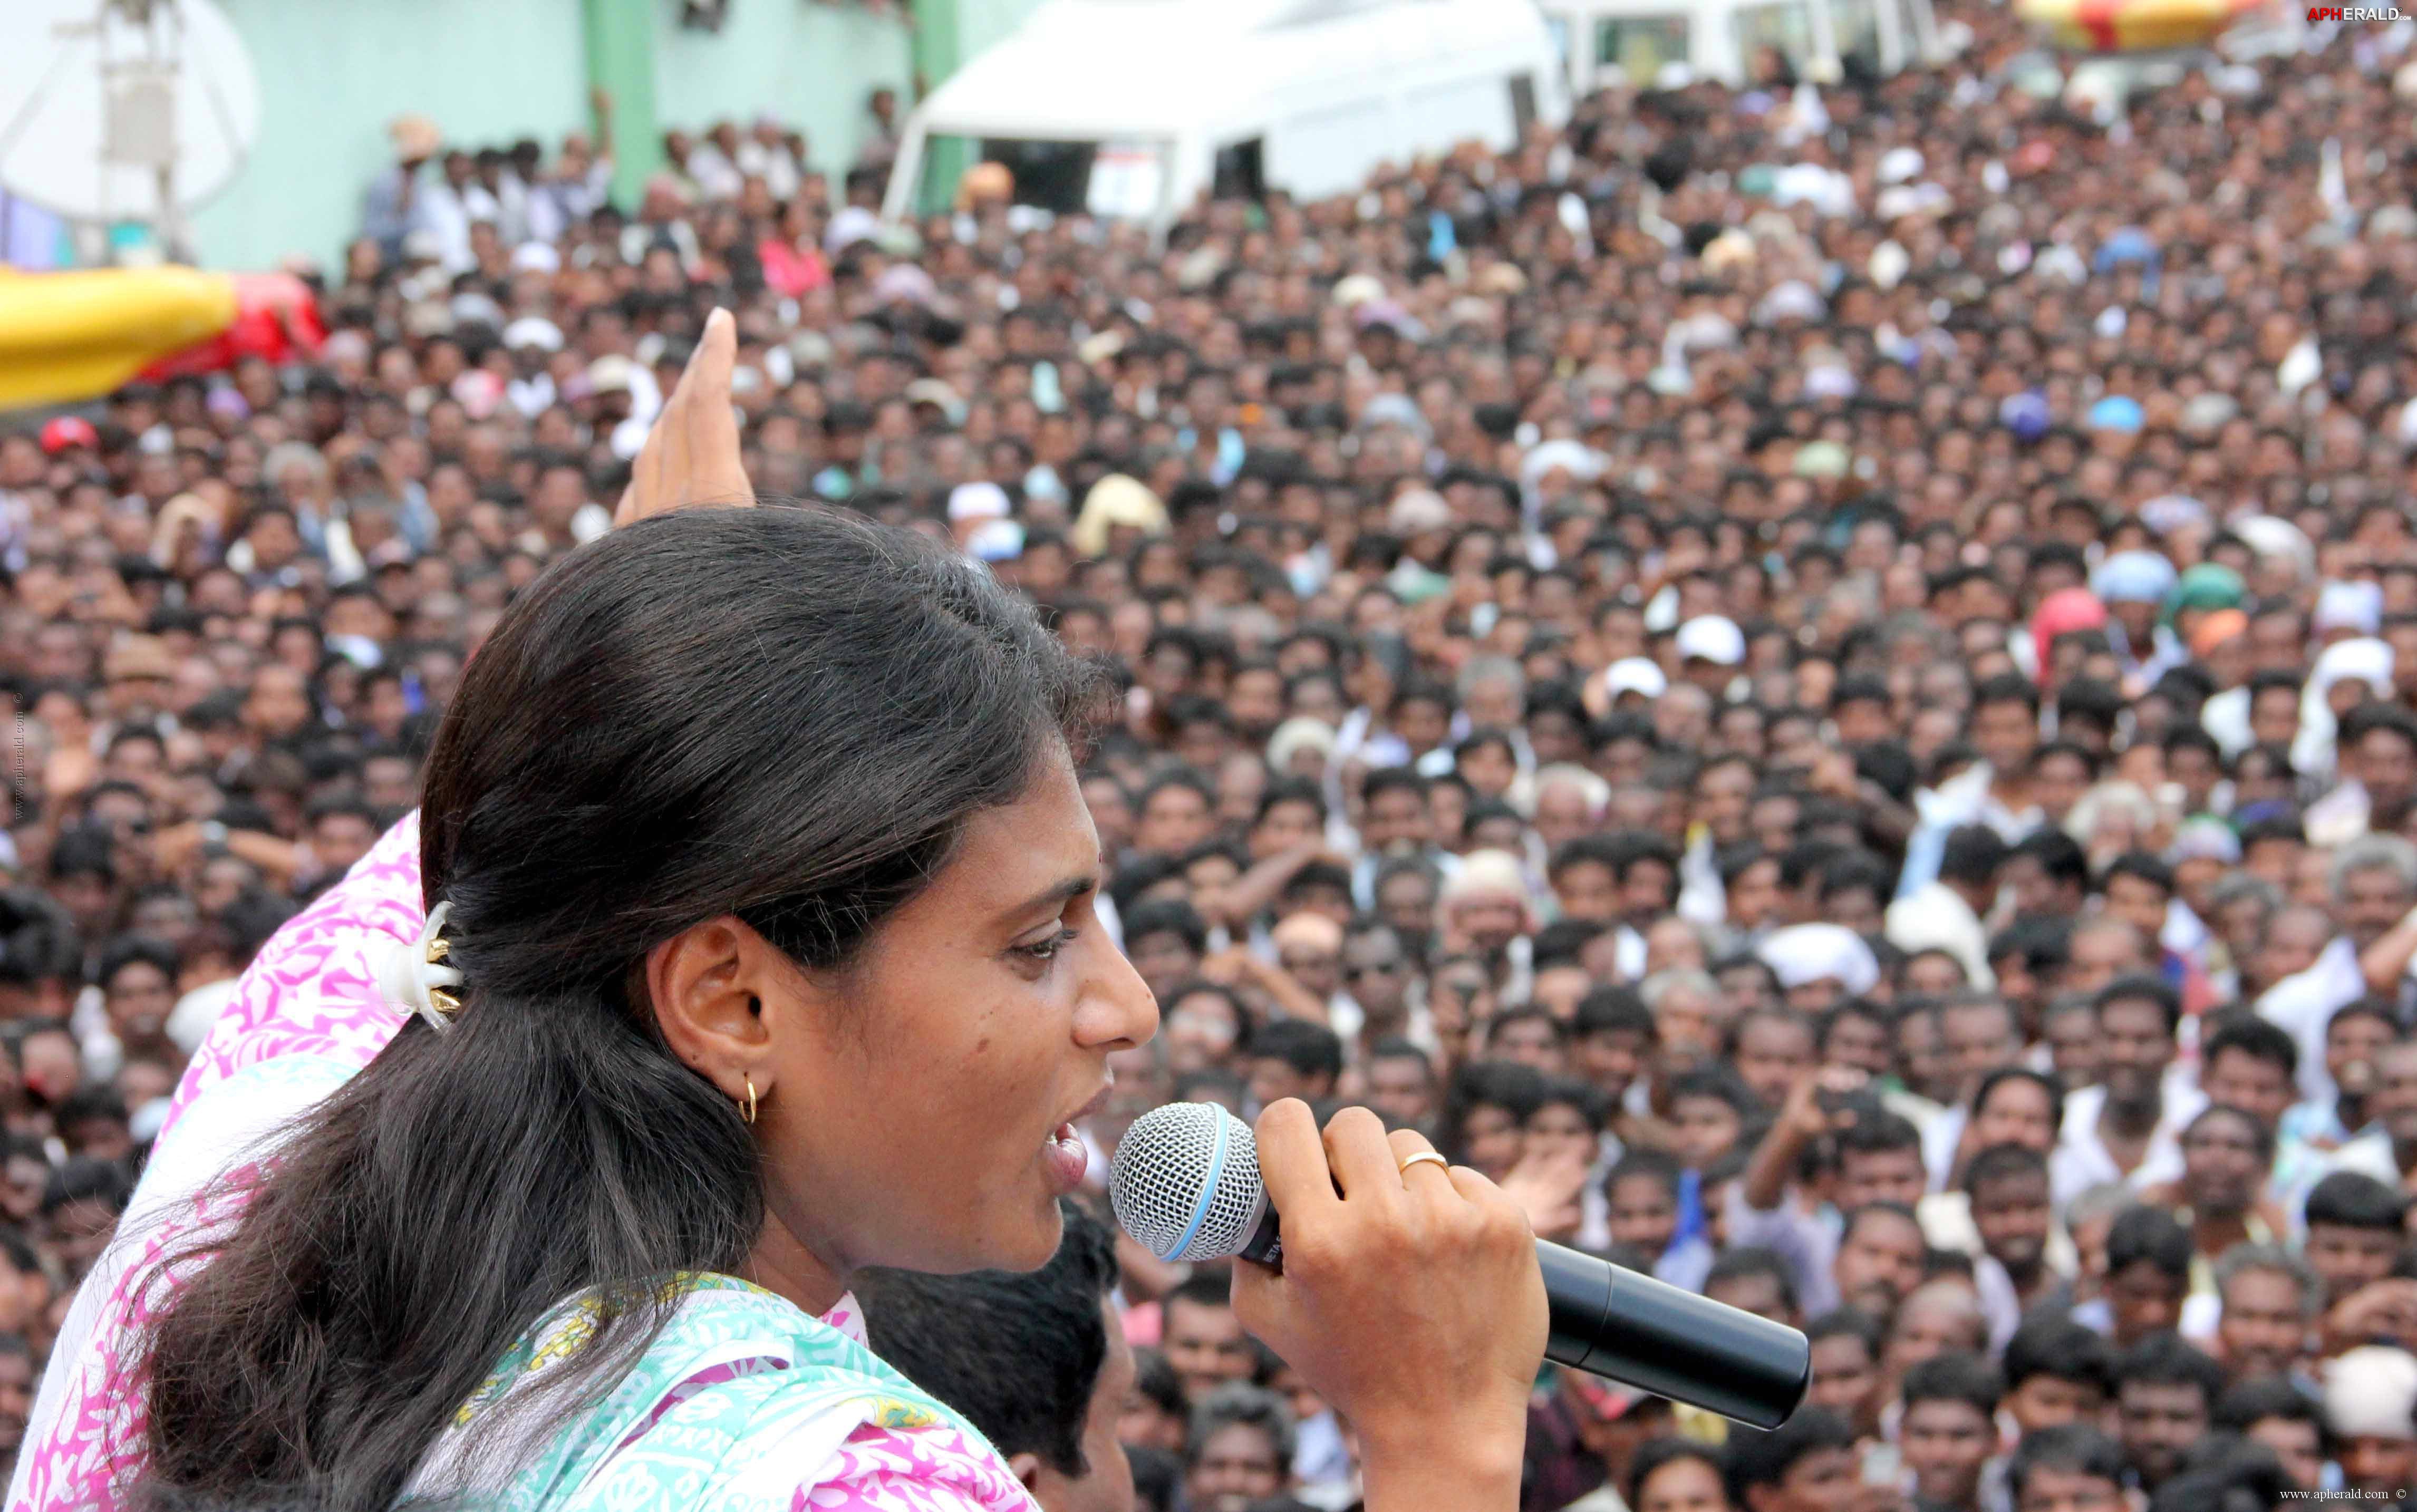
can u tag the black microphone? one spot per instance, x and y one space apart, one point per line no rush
1186 1185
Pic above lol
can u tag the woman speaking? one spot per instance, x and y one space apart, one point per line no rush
759 949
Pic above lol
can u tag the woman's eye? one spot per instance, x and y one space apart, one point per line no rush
1047 949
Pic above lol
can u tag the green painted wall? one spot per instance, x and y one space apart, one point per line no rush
334 72
809 62
980 23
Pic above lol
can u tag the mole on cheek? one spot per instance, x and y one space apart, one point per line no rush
982 1044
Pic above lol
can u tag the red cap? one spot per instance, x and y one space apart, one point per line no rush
68 431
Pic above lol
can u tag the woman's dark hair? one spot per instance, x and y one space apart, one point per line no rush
785 714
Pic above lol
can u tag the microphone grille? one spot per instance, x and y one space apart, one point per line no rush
1186 1182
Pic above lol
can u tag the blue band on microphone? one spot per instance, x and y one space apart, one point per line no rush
1208 1195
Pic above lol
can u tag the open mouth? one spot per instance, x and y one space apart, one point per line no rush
1065 1155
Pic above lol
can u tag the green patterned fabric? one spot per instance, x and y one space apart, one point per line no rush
732 1408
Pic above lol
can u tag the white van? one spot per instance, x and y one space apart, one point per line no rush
1648 43
1130 108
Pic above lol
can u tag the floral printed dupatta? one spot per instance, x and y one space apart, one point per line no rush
734 1407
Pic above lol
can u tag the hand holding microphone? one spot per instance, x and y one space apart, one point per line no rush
1409 1290
1409 1298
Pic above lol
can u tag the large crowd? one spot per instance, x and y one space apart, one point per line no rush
1822 683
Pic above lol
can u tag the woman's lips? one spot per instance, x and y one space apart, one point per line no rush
1066 1159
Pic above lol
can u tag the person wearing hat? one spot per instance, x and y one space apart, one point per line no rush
1422 522
396 203
1820 965
67 435
2134 586
1710 649
532 341
1118 512
139 673
1485 908
2370 1397
975 506
615 400
1628 685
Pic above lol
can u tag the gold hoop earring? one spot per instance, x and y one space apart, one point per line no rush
748 1112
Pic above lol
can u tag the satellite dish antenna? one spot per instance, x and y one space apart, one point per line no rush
124 110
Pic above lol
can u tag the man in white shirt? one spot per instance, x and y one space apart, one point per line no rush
765 154
713 163
449 207
2128 1128
2374 886
1945 914
2376 747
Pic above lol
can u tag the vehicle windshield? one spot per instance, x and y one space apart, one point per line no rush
1640 45
1115 179
1786 28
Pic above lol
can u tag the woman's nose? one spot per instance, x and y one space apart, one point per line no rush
1122 1010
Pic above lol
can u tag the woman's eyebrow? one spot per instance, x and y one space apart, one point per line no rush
1056 896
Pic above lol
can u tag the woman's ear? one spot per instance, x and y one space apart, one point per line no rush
1027 1467
706 985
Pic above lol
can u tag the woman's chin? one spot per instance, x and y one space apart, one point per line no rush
1029 1244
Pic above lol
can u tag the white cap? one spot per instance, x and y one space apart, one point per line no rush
1357 289
1575 458
2369 1393
978 501
536 257
850 223
612 374
1804 953
1635 674
2350 606
1712 638
533 330
1417 512
1487 874
1791 299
